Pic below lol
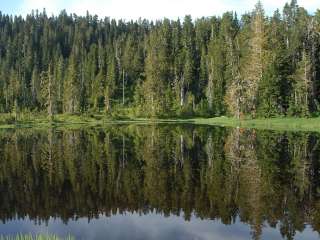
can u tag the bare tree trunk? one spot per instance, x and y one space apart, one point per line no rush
6 97
210 87
182 92
306 80
123 87
50 107
108 105
181 96
123 151
238 108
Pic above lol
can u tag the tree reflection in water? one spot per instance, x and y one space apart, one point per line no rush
261 177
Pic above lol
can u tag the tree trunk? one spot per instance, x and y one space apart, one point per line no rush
123 87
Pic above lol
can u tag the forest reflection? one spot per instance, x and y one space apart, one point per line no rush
260 177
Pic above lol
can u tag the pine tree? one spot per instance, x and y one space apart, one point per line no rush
132 60
234 81
203 72
71 93
202 37
300 98
98 87
216 80
14 91
253 69
274 85
112 76
156 69
49 92
90 72
35 86
189 56
59 72
177 65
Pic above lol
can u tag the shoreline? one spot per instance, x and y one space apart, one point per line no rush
280 124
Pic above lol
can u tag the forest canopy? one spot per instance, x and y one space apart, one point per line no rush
253 65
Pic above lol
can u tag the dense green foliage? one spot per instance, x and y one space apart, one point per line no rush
262 178
249 66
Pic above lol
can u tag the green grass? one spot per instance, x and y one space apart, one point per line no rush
77 121
42 121
281 124
34 237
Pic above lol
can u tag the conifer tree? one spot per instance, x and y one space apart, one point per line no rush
156 71
72 88
274 85
189 55
35 86
49 92
112 76
253 68
216 80
300 97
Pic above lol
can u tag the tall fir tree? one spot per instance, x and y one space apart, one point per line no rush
301 91
49 91
72 87
254 63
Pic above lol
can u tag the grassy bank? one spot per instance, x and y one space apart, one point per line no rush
42 121
281 124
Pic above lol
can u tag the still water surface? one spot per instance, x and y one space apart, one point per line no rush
160 182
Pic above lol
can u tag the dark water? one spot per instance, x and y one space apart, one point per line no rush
160 182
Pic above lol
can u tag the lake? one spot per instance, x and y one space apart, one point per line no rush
163 181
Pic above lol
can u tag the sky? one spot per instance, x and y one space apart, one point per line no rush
149 9
136 226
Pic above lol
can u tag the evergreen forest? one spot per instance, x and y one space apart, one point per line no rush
253 65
